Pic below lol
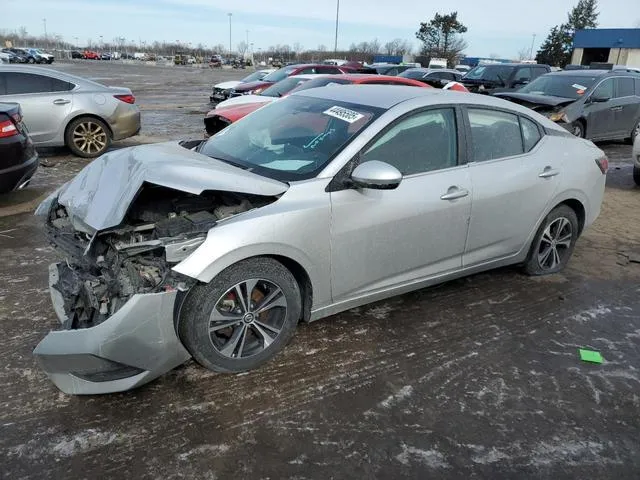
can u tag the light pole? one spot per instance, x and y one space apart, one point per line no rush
44 21
335 45
230 14
76 39
531 51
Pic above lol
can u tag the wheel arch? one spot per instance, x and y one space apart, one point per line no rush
577 206
77 115
294 260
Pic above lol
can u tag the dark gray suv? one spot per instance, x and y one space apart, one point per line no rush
593 104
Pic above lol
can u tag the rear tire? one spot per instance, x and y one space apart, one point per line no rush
87 137
636 174
553 243
243 317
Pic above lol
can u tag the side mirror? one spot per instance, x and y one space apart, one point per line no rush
376 175
599 98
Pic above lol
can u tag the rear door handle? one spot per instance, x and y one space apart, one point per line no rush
548 172
61 101
454 193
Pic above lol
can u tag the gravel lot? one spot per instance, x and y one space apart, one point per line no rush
477 378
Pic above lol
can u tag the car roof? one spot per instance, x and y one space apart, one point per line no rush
309 76
580 73
386 96
429 70
53 73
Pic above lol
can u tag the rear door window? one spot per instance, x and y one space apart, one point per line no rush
637 80
494 134
3 84
625 87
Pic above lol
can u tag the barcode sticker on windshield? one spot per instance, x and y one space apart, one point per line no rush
577 86
345 114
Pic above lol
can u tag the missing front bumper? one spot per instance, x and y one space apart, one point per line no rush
135 345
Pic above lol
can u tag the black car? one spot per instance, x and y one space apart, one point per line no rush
593 104
29 57
14 57
388 68
76 54
502 77
436 77
18 157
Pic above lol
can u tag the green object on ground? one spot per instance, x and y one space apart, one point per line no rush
590 356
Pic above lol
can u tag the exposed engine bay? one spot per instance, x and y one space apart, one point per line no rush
162 227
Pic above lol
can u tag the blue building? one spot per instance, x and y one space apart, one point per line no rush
618 46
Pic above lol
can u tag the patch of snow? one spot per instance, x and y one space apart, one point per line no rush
431 458
400 395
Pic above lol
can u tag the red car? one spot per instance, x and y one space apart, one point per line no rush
90 55
282 73
221 117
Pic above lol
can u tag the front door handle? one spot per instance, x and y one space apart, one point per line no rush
616 109
549 172
454 193
61 101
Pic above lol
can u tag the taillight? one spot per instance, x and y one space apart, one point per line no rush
7 129
126 98
603 164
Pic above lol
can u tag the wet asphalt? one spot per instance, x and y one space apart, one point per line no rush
477 378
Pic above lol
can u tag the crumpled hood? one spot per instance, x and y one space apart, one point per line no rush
533 99
100 195
245 87
245 99
227 85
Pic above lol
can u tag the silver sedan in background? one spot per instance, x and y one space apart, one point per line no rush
61 109
326 200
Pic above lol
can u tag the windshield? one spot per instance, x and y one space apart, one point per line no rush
292 139
283 87
415 74
321 82
490 73
279 74
253 77
567 86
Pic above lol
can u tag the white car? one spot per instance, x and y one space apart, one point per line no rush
266 96
222 90
4 58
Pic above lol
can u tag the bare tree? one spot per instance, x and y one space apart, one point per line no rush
242 48
523 54
322 48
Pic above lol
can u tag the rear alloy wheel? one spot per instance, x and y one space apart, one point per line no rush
577 129
243 317
554 242
31 60
87 137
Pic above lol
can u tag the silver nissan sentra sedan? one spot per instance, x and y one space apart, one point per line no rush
332 198
64 110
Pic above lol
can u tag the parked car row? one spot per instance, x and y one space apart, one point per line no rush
27 55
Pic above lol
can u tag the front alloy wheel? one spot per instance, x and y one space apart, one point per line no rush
243 317
247 318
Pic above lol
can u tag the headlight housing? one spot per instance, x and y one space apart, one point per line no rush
559 116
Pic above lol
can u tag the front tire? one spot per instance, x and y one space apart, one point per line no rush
577 129
636 175
243 317
554 242
87 137
31 60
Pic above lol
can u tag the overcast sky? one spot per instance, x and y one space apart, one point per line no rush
495 26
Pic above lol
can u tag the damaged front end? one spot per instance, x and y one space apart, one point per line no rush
116 293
